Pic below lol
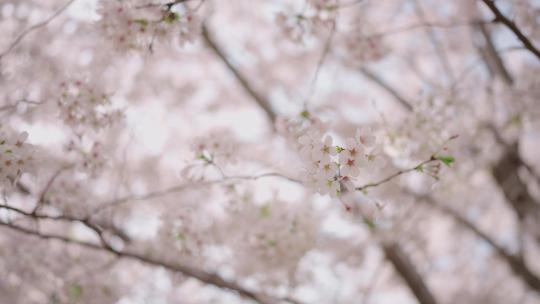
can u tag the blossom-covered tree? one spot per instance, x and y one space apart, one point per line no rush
288 151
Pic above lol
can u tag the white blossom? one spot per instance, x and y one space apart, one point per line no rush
16 157
351 158
365 137
83 105
131 25
324 149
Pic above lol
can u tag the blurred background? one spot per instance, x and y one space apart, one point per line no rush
151 151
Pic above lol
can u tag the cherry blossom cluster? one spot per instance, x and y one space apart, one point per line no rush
218 148
279 235
190 232
82 104
16 157
430 126
361 48
330 168
69 193
89 157
318 16
138 24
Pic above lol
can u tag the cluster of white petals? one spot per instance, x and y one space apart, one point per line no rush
359 48
16 157
317 17
279 235
330 168
138 25
88 157
218 147
82 104
429 127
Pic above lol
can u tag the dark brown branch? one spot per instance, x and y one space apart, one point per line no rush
102 225
263 103
515 190
203 276
491 57
381 83
516 263
407 271
506 170
500 17
45 191
404 267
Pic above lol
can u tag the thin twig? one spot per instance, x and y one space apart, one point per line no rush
422 25
182 187
326 50
48 186
34 27
398 173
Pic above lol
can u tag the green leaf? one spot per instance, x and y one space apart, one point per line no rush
180 236
370 223
142 22
305 114
265 211
447 160
171 17
76 291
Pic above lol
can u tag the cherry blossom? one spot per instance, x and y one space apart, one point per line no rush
351 158
137 25
82 105
365 137
374 159
16 157
318 16
292 151
324 149
218 147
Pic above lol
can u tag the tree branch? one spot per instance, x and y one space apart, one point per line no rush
404 267
490 55
500 17
182 187
203 276
385 86
398 173
407 271
516 263
263 103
